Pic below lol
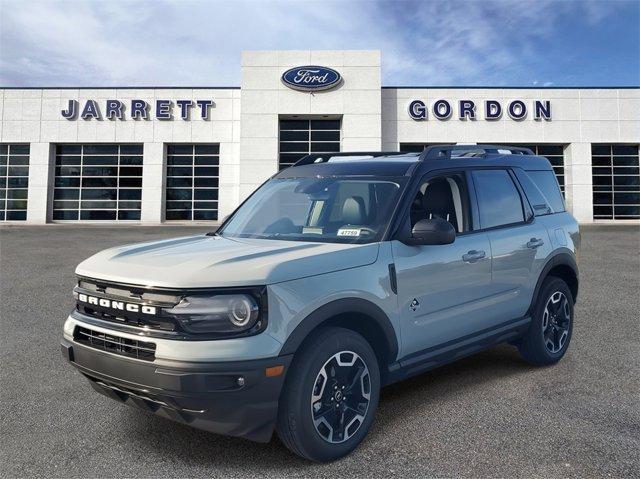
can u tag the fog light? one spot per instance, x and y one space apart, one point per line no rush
240 381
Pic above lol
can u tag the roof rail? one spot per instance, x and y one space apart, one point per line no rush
443 152
325 157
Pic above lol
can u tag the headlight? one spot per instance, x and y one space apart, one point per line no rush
224 313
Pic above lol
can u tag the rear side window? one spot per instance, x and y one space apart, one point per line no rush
547 183
499 202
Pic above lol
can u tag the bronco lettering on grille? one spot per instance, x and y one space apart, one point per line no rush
118 305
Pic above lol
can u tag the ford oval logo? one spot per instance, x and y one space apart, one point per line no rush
311 78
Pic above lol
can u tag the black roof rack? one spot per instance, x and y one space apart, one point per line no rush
324 157
433 152
438 152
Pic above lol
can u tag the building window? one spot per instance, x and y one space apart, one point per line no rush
302 137
98 182
14 182
192 182
616 182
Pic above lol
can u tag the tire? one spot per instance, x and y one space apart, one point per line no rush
308 394
548 337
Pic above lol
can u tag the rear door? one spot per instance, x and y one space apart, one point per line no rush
519 243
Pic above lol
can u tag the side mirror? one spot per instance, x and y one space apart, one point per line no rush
435 231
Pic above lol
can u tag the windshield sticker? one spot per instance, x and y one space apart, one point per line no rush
311 231
352 232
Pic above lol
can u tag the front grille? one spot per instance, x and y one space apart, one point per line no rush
158 323
126 294
115 344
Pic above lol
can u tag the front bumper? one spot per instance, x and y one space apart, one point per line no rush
207 396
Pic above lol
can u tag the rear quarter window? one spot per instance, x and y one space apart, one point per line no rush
547 183
538 202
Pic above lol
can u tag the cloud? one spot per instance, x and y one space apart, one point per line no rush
198 43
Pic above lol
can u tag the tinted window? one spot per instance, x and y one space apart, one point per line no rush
616 182
498 199
108 177
14 182
555 155
192 182
538 201
548 185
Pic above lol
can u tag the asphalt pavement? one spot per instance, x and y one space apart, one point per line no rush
490 415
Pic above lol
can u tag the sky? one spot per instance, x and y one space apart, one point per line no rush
423 43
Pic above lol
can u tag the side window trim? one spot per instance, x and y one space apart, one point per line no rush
517 186
527 210
473 199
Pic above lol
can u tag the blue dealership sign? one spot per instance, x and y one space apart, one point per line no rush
443 110
311 78
139 109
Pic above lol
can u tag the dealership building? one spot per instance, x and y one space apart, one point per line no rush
153 155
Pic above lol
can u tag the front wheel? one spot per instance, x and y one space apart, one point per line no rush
330 396
551 326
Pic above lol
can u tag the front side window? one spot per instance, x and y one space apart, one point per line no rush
317 209
498 199
443 197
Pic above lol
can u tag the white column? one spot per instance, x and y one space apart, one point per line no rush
41 177
153 183
578 181
229 179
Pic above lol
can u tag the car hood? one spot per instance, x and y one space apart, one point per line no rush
212 261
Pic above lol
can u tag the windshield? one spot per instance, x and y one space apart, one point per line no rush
317 209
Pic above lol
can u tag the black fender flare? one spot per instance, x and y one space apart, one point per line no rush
341 307
560 258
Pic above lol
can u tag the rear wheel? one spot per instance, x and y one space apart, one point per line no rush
552 324
330 396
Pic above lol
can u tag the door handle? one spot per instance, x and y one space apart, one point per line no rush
535 243
473 256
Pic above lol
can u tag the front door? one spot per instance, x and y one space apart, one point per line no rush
442 289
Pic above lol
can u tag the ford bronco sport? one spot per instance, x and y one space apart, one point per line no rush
338 276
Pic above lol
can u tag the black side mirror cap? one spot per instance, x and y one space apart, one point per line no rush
434 231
